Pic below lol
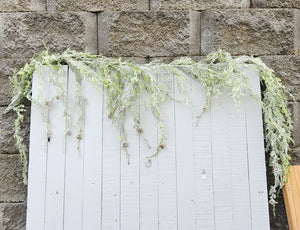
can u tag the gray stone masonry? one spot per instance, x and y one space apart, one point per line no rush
296 119
197 4
142 31
7 67
22 5
287 68
12 216
7 141
276 3
295 153
251 32
170 59
11 176
97 5
22 34
295 147
162 33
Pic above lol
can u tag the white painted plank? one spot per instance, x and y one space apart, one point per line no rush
167 204
73 165
91 216
221 163
241 215
256 157
38 154
185 154
202 161
148 175
199 181
130 179
110 174
56 155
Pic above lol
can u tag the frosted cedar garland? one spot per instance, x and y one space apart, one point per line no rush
124 83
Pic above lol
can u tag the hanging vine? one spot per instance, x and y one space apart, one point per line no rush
125 83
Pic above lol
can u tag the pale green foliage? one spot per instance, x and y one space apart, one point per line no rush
277 125
126 85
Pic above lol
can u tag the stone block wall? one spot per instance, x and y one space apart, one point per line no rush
143 30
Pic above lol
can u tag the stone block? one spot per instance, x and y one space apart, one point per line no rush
297 32
149 34
295 109
97 5
251 32
136 60
7 141
22 34
12 216
22 5
287 68
7 67
12 188
295 153
170 59
276 3
197 4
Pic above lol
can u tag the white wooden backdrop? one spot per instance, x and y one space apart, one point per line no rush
210 176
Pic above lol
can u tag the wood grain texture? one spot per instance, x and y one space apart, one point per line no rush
291 194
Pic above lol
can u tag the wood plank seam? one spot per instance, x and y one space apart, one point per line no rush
176 159
63 224
47 152
212 166
249 187
103 109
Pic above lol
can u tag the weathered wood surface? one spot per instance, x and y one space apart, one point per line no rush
291 193
209 176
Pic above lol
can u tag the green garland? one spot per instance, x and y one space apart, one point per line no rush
124 83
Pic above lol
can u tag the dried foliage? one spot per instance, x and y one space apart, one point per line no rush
125 84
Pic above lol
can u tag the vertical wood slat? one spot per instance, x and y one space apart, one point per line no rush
38 154
92 157
256 156
148 171
56 157
167 192
184 153
241 216
203 165
73 196
222 184
110 173
130 187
